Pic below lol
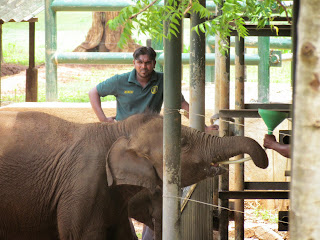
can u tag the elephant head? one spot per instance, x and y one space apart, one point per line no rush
136 159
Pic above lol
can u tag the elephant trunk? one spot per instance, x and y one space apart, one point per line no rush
227 147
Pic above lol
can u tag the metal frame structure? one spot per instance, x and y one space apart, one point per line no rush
245 190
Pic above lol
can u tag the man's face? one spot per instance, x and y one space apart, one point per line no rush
144 66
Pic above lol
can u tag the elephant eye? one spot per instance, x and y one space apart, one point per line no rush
184 142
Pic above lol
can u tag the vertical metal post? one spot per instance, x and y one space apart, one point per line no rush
210 70
239 131
263 69
217 76
157 45
197 74
51 48
224 131
32 72
217 108
172 135
217 65
197 219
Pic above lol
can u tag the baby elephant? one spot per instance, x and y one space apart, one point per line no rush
64 180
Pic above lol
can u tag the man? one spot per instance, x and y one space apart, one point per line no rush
137 91
270 141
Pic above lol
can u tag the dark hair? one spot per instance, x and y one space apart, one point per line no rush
145 51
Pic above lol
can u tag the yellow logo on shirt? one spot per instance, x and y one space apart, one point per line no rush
154 89
128 92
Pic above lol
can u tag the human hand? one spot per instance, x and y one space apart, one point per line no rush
269 141
110 119
211 127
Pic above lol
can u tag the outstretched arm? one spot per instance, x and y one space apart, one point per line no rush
270 141
96 106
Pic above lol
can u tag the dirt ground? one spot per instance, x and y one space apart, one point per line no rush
11 69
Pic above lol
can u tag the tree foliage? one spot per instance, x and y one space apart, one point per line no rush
147 17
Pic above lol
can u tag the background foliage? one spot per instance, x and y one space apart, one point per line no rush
147 17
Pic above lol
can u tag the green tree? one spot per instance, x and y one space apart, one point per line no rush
147 17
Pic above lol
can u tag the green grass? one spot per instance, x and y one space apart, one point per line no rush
72 28
267 215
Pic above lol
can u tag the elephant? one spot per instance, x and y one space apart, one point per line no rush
65 180
53 182
196 146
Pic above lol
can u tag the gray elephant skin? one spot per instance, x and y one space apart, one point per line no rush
63 180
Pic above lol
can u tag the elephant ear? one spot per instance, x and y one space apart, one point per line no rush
125 166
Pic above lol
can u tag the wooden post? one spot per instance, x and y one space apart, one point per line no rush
224 131
32 72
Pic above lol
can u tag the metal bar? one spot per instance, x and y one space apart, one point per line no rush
126 58
94 58
285 106
157 45
254 195
51 48
197 58
250 59
267 30
252 42
92 5
100 5
263 69
246 113
265 33
172 135
267 185
239 131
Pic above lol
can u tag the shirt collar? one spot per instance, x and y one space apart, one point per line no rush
133 79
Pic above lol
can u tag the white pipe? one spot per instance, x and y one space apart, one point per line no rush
235 161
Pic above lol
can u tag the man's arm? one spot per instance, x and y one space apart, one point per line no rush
185 106
95 102
270 141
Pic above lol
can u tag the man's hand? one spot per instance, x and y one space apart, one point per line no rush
211 127
269 141
110 119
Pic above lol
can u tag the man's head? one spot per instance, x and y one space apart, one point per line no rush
144 61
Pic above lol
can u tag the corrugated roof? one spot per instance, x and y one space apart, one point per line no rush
20 10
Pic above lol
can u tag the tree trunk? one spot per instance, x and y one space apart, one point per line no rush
101 38
305 186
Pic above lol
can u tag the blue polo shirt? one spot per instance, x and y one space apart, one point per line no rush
131 97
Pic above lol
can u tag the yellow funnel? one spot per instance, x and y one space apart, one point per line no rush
272 118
